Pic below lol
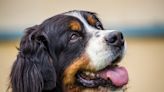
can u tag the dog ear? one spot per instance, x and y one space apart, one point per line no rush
33 70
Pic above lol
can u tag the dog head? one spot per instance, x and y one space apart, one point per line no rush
70 52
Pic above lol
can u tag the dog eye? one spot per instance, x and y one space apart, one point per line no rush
98 25
74 37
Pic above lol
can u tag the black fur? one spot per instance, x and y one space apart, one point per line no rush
33 70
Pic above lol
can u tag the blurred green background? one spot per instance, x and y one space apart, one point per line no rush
141 21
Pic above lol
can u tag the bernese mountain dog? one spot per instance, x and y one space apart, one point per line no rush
70 52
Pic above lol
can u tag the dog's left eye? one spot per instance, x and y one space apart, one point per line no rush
74 37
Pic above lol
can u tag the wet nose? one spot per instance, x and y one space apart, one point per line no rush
115 38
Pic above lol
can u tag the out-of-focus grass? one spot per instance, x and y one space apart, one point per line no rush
144 60
8 53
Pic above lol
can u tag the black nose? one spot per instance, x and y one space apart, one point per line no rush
115 38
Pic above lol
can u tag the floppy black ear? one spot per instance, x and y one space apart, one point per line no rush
33 70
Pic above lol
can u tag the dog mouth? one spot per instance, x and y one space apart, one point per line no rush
113 76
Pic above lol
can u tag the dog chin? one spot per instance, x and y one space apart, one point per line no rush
104 89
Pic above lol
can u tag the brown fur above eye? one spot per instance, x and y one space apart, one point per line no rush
91 20
75 25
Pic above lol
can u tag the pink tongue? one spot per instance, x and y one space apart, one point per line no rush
118 75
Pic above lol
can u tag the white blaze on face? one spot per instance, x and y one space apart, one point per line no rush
99 52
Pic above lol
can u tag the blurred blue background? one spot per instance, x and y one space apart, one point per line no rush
133 17
141 21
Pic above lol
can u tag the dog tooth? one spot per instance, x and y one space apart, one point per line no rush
87 73
92 74
97 75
